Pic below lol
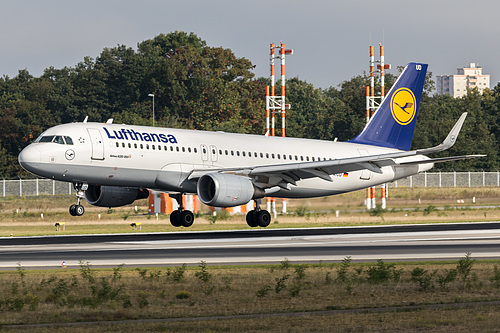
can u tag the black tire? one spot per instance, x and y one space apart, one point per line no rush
79 210
263 218
187 218
175 218
72 210
252 219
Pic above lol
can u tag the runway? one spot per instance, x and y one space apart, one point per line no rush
312 245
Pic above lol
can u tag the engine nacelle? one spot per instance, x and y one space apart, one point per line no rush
113 196
225 190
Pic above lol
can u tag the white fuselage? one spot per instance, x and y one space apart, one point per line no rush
163 158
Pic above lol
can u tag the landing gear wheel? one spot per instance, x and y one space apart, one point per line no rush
263 218
186 218
175 218
72 210
252 219
79 210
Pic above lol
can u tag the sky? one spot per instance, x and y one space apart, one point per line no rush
330 38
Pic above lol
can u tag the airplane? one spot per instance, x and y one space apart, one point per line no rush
112 165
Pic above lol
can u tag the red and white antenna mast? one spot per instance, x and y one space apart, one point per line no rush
276 104
372 104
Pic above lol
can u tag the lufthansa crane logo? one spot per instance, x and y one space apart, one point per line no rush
70 154
403 106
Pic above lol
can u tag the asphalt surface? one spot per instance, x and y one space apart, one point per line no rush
400 243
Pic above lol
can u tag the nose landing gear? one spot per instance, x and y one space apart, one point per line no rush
78 209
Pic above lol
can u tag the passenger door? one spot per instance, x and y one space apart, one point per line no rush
97 144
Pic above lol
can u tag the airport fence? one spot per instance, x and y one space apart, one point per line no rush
37 187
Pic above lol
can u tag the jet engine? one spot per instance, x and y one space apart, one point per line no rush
226 190
113 196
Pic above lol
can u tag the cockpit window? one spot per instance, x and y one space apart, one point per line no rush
47 138
59 139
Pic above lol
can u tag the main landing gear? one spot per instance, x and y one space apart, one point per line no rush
258 217
78 210
181 217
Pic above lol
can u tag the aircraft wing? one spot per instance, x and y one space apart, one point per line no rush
284 174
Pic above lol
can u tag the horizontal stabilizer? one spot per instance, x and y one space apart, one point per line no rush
442 159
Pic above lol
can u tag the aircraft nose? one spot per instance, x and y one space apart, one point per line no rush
29 158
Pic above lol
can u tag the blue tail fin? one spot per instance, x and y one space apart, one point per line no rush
393 124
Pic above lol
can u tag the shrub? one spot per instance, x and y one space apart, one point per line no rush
301 211
280 283
495 279
177 273
203 274
429 209
183 295
383 272
343 270
464 267
423 277
262 292
448 277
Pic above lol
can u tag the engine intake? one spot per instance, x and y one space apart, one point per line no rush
113 196
225 190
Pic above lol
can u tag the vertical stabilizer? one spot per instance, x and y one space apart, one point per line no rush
393 124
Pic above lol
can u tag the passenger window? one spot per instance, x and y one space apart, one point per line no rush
243 153
220 151
279 156
177 148
195 150
313 159
135 145
189 149
130 145
171 148
232 152
117 144
68 140
153 146
226 152
296 158
261 155
141 146
183 149
307 158
147 146
301 158
165 148
272 155
237 153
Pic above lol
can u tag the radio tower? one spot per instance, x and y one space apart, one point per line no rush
372 104
276 104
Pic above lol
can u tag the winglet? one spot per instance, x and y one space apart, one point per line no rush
450 139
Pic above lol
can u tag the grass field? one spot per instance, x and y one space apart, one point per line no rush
378 297
23 216
459 296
